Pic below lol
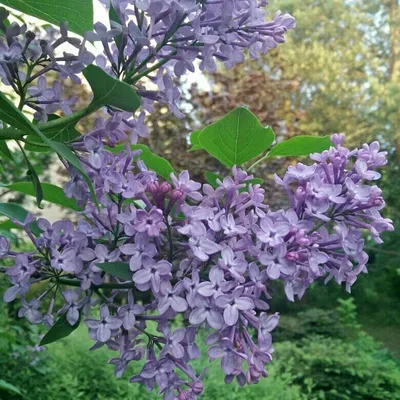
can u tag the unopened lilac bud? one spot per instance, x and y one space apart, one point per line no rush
165 188
153 187
197 387
302 238
337 139
177 194
378 202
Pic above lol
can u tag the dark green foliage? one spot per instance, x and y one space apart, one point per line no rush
332 369
325 323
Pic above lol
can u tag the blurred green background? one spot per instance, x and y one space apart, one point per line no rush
338 72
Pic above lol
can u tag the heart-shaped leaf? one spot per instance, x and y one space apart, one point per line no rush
236 138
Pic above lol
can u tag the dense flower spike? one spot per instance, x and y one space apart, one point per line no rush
149 42
207 254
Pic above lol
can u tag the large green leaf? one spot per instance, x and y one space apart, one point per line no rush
159 165
301 146
13 210
78 13
117 269
14 117
236 138
51 193
61 329
108 91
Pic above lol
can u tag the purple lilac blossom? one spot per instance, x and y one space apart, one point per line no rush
211 258
173 36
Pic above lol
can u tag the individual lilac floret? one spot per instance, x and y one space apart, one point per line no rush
106 327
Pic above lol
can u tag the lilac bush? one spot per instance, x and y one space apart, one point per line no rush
153 247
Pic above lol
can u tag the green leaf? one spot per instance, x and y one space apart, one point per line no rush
212 177
7 225
78 13
68 155
117 269
62 134
194 141
14 117
13 210
51 193
5 150
254 181
7 387
301 146
236 138
108 91
11 133
159 165
113 17
34 178
59 330
36 185
11 236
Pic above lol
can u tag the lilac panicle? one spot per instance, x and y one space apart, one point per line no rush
210 258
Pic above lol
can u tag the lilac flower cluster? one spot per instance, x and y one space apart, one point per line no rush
208 255
25 59
157 40
147 35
